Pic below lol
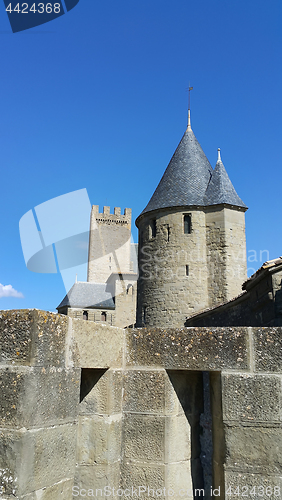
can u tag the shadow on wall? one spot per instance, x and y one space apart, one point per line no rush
191 389
89 377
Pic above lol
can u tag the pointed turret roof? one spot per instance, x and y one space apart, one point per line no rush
185 179
220 189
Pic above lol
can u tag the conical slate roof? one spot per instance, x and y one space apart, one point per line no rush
186 177
220 189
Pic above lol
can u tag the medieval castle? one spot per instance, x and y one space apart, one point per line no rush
181 399
192 252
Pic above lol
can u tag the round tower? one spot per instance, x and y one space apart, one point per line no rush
183 268
173 275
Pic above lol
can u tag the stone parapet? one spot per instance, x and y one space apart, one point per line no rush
87 406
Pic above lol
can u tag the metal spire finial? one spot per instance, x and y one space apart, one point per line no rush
218 155
189 115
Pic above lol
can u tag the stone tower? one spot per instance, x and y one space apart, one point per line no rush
192 247
109 243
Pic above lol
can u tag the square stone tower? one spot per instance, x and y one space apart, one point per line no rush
109 243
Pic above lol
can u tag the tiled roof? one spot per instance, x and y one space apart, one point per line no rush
268 265
185 179
189 180
88 295
221 190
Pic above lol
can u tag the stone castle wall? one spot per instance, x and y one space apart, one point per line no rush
86 406
93 315
125 301
226 253
260 304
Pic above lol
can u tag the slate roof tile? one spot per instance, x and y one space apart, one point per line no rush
186 177
88 295
221 190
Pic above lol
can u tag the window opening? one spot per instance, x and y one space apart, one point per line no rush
152 229
187 224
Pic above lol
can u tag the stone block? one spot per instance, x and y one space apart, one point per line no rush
144 438
32 337
252 486
144 391
248 398
254 449
188 348
99 439
143 475
61 490
179 481
38 395
268 347
11 447
36 459
16 336
101 391
96 477
177 439
99 346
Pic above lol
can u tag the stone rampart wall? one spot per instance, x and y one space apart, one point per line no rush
85 406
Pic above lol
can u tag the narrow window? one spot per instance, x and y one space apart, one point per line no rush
103 316
144 315
152 229
129 290
85 315
187 224
168 233
187 270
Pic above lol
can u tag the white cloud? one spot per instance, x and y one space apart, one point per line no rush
9 291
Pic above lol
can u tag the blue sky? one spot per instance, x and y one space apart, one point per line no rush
96 99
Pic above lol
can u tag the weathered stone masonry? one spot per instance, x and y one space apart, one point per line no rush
91 405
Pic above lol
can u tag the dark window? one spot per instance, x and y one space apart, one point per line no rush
152 229
144 311
187 224
103 316
85 315
187 270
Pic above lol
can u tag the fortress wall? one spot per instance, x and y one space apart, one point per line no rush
39 406
139 419
236 258
226 253
125 301
260 304
93 314
216 257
